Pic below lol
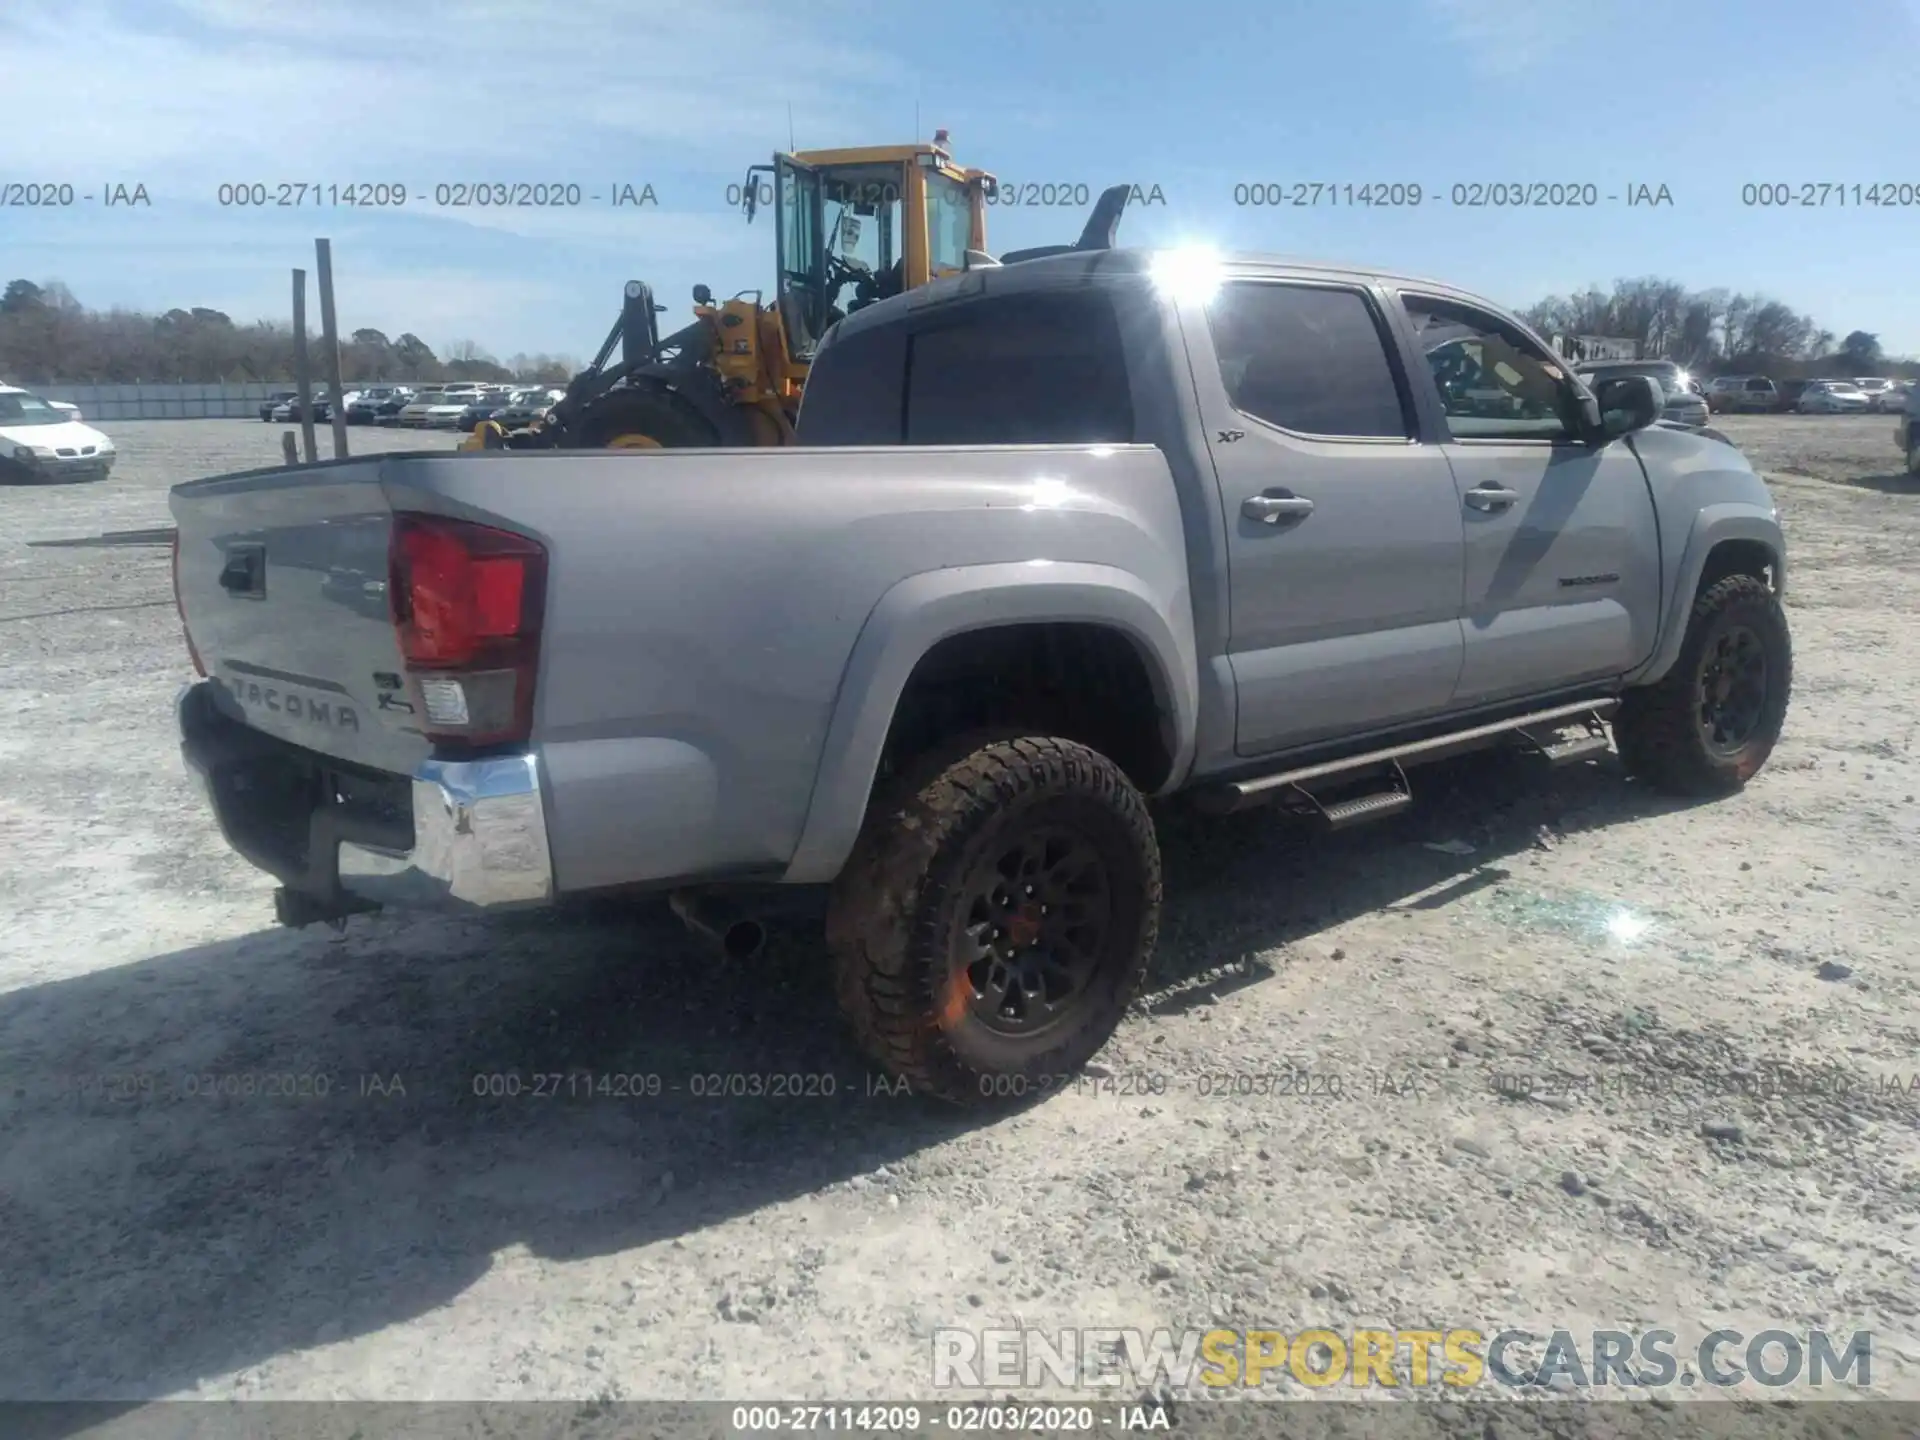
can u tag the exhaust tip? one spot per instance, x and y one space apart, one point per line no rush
744 940
725 929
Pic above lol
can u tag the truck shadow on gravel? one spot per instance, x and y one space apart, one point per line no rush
1241 884
565 1085
1898 482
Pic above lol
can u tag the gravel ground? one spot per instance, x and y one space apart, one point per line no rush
402 1237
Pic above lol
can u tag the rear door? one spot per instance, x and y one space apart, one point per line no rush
1562 549
1343 530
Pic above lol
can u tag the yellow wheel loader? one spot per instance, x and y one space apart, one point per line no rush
852 227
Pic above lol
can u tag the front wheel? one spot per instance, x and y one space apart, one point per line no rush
1708 725
643 418
996 917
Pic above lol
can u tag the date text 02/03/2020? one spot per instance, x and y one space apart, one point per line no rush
1461 195
65 195
446 195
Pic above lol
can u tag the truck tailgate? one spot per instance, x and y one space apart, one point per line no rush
282 577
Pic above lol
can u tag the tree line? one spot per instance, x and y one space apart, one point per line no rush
1715 332
48 337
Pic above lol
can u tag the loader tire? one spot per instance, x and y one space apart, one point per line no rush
996 917
632 418
1707 726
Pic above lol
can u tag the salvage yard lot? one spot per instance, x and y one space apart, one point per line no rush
1735 983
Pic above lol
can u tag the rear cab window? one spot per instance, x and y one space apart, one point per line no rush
1031 368
1034 367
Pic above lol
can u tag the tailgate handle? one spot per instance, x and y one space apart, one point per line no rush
245 573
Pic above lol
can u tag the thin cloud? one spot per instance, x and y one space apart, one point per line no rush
1504 38
187 95
247 89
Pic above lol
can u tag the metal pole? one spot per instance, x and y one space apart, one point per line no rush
330 339
302 374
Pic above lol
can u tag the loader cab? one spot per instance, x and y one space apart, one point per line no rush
857 226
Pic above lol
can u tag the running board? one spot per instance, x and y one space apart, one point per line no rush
1237 793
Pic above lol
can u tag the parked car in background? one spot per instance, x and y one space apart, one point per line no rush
388 411
1747 394
365 406
1681 403
1881 393
1833 397
1720 391
1787 398
40 441
453 403
67 408
484 407
275 401
413 414
527 406
289 409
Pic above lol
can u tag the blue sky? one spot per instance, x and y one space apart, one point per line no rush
1195 97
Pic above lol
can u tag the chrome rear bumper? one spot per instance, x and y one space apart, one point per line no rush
479 839
467 834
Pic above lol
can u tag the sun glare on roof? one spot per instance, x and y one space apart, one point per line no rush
1188 272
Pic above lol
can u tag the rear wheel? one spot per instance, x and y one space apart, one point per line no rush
996 917
644 419
1709 724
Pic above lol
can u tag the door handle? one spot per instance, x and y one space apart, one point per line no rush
1272 509
1491 497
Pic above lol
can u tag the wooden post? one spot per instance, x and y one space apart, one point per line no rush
289 448
330 354
302 374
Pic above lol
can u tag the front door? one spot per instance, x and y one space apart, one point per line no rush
1562 547
800 252
1343 531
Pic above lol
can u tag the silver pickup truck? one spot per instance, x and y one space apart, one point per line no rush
1061 536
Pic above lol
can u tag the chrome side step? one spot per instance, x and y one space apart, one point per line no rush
1546 722
1558 748
1358 809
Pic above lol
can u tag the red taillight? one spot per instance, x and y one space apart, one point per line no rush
181 610
466 601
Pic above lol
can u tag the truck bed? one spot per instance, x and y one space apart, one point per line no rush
701 608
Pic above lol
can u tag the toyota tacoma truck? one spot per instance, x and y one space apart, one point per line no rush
1062 537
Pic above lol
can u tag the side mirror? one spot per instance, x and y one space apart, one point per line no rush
702 295
1621 404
